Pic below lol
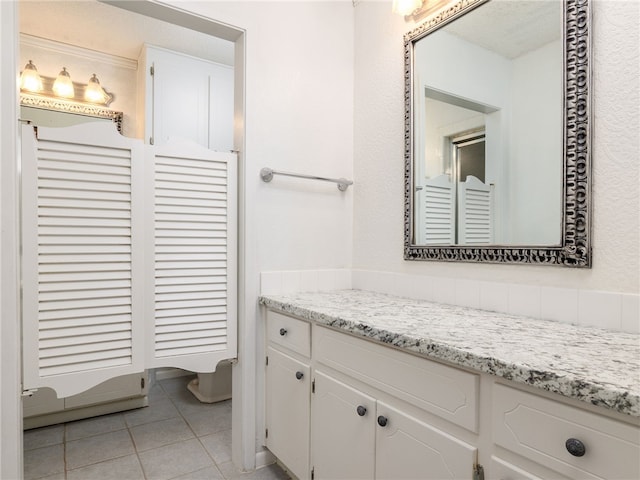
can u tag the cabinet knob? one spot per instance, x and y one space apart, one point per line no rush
361 410
575 447
299 375
283 331
382 421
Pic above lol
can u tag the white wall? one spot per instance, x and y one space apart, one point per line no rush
10 400
379 167
298 118
535 174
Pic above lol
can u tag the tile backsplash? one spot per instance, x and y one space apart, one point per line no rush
610 310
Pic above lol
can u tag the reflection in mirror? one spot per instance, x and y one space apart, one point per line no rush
481 79
486 116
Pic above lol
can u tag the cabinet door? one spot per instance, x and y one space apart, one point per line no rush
288 411
343 430
407 448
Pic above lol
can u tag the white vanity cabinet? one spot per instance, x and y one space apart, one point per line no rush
379 411
355 436
573 442
367 431
184 97
287 392
322 426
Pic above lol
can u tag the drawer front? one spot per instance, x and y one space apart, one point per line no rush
289 332
444 391
538 429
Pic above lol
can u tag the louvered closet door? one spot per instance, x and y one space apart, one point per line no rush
191 289
475 219
81 256
439 211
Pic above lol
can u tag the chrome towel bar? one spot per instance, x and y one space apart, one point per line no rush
267 175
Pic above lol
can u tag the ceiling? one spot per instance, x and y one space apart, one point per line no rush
108 29
510 27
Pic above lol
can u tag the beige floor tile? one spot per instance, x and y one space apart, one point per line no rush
270 472
90 450
43 437
218 445
215 418
43 462
122 468
209 473
94 426
173 460
160 410
157 434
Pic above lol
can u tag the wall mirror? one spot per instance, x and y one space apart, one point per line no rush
497 133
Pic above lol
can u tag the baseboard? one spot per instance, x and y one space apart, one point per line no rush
164 373
264 458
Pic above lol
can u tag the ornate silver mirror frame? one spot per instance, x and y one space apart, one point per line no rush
575 246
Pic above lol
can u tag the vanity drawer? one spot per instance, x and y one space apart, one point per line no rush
444 391
537 428
289 332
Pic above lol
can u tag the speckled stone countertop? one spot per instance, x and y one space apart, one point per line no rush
597 366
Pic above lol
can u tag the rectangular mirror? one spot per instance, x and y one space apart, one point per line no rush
497 140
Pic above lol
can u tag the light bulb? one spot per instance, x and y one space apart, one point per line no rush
63 86
30 79
94 92
405 7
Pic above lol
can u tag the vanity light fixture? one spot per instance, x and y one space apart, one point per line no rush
94 92
405 7
42 91
416 10
30 78
63 86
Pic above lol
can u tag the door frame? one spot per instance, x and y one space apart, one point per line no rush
244 372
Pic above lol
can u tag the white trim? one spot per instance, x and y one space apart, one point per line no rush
264 458
10 399
79 52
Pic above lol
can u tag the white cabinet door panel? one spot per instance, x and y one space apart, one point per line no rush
288 411
343 438
407 448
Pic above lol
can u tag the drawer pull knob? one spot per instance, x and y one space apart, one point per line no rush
299 375
382 421
575 447
361 410
283 331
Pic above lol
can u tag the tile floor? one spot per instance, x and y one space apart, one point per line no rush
175 437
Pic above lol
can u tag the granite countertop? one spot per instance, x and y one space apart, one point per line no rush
597 366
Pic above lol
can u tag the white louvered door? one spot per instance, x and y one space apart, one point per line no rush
438 227
475 212
128 257
81 253
192 284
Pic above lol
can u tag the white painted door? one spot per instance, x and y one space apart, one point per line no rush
191 256
407 448
288 387
88 265
475 212
343 430
189 98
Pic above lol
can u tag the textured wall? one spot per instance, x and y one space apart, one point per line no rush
378 162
